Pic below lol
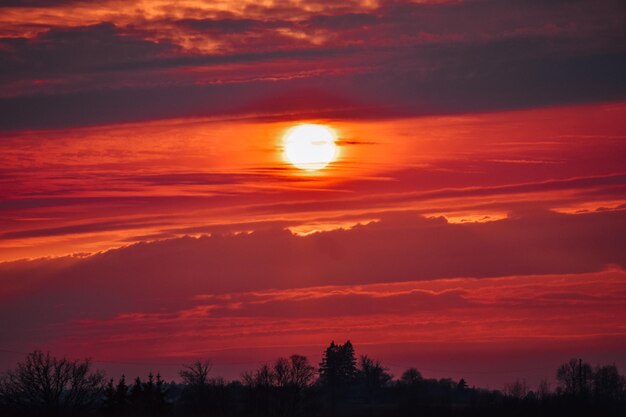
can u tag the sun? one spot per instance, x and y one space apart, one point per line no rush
310 147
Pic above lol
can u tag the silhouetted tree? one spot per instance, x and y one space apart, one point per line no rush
409 387
260 386
115 397
45 385
543 390
284 389
292 376
196 374
219 396
42 386
608 384
517 389
121 395
575 377
281 372
159 401
196 394
136 395
411 377
373 376
462 385
278 389
337 369
338 364
109 403
149 397
301 372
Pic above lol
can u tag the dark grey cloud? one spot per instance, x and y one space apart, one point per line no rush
399 60
487 80
343 21
68 51
226 25
37 3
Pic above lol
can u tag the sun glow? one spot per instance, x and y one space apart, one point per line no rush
310 147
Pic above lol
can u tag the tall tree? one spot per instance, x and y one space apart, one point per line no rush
282 371
260 384
373 376
196 374
196 394
608 384
109 404
575 377
518 389
337 369
121 394
115 397
301 372
338 364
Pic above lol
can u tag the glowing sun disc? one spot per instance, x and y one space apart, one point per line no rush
309 146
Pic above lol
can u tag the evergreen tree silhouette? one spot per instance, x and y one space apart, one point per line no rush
136 396
337 370
159 405
115 397
121 395
137 388
462 385
109 404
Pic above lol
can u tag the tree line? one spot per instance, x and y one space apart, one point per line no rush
343 384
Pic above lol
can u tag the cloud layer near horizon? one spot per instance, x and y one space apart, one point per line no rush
399 246
191 297
341 273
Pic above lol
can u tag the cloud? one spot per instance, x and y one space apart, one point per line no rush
400 321
402 246
36 3
96 188
69 51
395 61
536 279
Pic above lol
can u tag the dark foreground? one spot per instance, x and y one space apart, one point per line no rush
342 385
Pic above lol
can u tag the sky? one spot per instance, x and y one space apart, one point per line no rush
471 224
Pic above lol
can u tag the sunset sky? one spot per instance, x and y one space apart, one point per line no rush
471 221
